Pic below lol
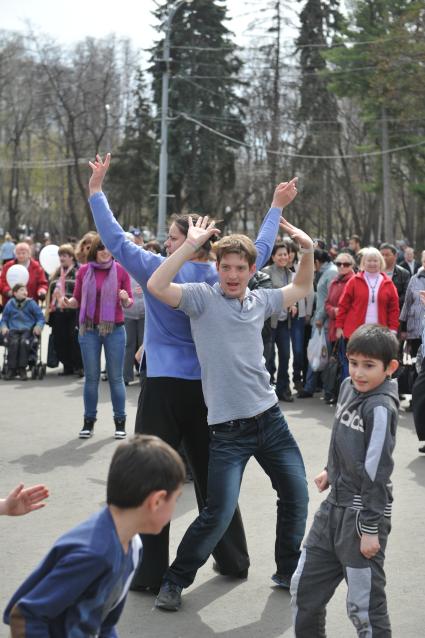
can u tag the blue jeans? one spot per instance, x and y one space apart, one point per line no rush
91 343
268 439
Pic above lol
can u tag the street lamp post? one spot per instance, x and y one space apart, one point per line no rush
163 157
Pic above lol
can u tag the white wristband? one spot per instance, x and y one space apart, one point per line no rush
306 251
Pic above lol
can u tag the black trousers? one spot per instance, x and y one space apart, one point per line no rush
418 403
18 348
175 410
65 338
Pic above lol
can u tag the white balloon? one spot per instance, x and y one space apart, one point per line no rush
17 274
49 258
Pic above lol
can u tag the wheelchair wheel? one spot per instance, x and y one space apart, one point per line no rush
34 372
41 371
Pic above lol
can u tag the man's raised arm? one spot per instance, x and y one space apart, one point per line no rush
302 284
160 284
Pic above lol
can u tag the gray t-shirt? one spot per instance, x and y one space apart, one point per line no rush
227 336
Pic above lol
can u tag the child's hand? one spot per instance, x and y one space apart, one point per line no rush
321 481
37 331
339 333
4 330
422 296
369 545
24 500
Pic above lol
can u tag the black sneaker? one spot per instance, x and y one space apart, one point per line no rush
87 430
169 597
286 396
120 432
303 394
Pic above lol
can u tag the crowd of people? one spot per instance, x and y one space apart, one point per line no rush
189 314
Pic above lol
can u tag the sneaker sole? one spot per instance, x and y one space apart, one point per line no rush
166 607
120 435
85 435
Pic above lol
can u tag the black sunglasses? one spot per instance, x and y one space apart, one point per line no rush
346 264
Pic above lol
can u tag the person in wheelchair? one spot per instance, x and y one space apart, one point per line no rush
21 326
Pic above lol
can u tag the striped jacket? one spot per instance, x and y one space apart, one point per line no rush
413 311
360 459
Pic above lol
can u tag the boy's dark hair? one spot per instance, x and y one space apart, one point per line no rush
374 341
17 286
386 246
140 466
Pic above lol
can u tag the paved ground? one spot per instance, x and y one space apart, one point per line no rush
39 443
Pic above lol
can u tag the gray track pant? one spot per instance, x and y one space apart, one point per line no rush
332 552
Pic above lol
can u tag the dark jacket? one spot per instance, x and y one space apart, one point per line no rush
405 265
79 589
360 459
401 278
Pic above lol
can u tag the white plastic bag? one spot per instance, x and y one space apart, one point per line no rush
317 351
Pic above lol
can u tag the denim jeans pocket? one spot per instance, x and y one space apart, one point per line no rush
227 431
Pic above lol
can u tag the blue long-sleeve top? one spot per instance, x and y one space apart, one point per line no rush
80 587
168 343
22 316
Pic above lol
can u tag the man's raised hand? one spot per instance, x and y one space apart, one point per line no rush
284 193
200 232
99 168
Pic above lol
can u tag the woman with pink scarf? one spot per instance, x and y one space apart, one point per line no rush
64 321
101 292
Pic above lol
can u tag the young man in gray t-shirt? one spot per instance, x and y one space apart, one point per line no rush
243 414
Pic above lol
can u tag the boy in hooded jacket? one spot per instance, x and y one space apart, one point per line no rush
350 530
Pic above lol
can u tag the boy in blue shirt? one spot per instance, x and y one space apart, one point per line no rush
80 587
21 317
350 530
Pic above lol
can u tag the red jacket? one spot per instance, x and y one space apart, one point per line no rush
352 306
37 283
335 291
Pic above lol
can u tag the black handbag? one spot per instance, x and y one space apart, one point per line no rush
331 375
52 357
406 376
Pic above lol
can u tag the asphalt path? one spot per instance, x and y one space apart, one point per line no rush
40 421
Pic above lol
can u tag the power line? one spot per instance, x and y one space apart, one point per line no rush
298 155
